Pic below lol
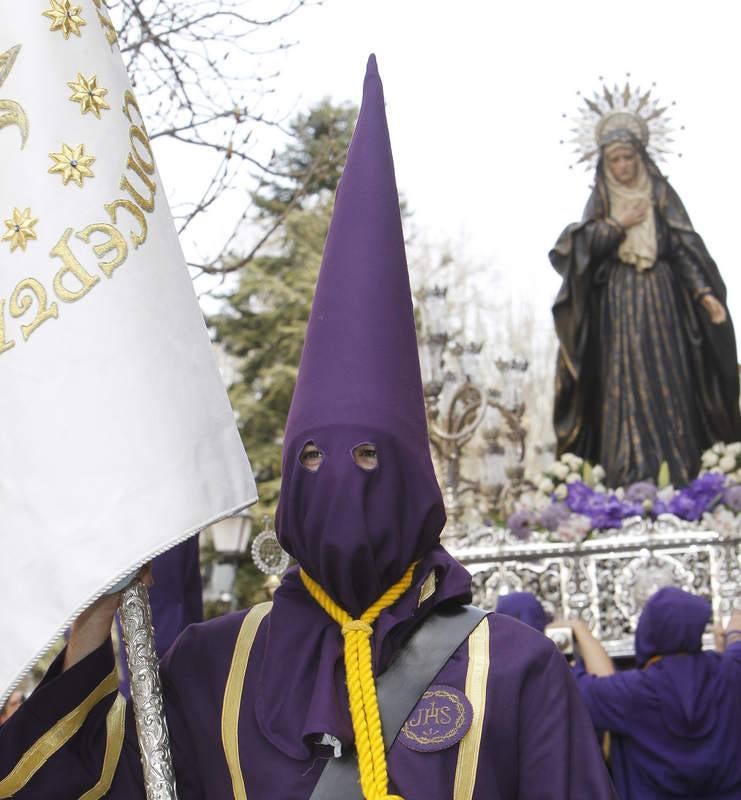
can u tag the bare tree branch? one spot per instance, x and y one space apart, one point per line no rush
202 73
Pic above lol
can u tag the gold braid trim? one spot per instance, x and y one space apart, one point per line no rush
233 696
55 738
115 727
361 684
477 676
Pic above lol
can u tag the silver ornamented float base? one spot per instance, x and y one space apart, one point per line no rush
606 581
146 693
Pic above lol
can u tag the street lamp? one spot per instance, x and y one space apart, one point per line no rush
230 537
232 534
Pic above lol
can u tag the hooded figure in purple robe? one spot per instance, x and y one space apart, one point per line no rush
257 701
524 606
675 720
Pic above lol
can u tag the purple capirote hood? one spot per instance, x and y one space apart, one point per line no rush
356 532
524 606
672 621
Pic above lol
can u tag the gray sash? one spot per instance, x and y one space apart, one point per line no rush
400 689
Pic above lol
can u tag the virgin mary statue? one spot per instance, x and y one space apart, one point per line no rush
646 371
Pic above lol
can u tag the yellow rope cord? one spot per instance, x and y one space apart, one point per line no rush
361 684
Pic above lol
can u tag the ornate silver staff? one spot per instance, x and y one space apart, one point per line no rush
146 692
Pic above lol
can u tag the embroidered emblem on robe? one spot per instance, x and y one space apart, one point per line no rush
440 719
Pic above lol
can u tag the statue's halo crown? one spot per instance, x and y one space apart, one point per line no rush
612 113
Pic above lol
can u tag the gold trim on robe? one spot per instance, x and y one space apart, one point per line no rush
115 726
233 696
55 738
477 676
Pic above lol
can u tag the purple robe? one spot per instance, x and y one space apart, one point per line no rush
537 741
675 723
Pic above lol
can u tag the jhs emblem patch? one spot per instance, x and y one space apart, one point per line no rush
441 718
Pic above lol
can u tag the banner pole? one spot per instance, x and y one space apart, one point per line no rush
146 692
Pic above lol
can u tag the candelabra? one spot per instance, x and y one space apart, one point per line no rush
475 416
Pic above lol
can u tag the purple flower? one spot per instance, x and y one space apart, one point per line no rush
640 492
698 497
554 515
684 506
579 496
659 507
521 524
731 497
604 510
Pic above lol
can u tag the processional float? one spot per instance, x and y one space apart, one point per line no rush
118 439
584 549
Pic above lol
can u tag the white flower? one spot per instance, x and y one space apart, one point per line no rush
719 448
600 487
560 471
717 471
723 521
727 463
561 491
598 473
737 476
666 493
709 459
546 486
620 493
533 501
572 461
734 448
574 529
572 477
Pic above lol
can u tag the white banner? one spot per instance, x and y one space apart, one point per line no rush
117 439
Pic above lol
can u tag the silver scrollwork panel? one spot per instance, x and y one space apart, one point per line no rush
607 580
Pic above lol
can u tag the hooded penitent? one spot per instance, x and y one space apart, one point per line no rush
684 710
523 606
354 532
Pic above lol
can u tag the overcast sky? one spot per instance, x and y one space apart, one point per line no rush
475 95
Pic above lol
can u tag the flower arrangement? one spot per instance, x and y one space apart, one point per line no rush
570 503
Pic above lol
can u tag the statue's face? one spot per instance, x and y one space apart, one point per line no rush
622 161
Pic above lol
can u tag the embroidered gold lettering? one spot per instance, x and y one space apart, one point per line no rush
146 204
106 23
416 721
12 113
22 299
129 103
116 243
137 239
72 267
5 344
137 135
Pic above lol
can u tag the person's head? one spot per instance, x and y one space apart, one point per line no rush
622 159
12 705
672 621
523 606
358 505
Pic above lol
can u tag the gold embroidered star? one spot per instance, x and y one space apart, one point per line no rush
88 94
20 229
72 164
65 17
